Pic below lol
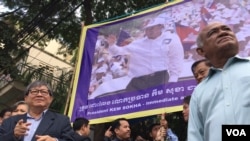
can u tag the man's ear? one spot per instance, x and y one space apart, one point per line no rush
200 51
116 131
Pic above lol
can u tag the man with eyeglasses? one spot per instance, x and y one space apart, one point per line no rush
39 123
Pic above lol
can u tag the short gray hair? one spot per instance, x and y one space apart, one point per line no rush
37 84
199 41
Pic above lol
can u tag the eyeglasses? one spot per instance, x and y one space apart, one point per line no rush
36 92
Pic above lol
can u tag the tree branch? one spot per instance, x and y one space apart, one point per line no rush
11 12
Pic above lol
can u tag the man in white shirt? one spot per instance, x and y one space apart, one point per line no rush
155 59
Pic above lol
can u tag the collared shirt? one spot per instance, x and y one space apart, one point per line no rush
147 56
32 128
171 136
222 98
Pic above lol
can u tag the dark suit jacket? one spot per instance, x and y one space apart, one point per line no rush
81 138
53 124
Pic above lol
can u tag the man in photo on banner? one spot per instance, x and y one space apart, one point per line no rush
155 59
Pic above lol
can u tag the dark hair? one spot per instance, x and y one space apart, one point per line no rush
152 126
187 99
116 123
149 131
37 84
196 63
3 111
79 122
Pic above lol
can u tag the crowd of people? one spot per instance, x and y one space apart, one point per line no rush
221 76
31 120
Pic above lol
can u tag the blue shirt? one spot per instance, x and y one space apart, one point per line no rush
222 98
171 136
34 124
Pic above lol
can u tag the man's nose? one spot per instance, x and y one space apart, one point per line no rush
199 78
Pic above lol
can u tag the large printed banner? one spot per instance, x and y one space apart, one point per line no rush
141 65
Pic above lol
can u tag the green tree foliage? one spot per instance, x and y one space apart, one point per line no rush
29 20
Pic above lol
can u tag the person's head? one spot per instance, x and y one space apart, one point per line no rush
217 42
185 111
38 96
121 128
200 69
99 75
124 38
154 27
81 125
100 61
19 108
100 72
153 129
4 114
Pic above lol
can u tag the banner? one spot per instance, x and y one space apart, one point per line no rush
141 65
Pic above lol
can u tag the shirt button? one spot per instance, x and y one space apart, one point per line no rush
227 104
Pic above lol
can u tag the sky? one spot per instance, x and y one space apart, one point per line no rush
4 9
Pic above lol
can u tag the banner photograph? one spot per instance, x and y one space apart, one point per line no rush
141 65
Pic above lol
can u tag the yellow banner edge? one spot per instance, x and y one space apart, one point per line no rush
77 72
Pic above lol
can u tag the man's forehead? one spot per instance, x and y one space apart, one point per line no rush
124 122
214 25
156 127
209 27
40 86
201 64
